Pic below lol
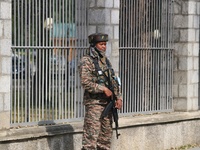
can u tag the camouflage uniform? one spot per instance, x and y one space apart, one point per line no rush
97 132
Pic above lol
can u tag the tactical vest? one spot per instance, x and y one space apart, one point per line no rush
103 76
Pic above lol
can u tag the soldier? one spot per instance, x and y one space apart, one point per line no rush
96 73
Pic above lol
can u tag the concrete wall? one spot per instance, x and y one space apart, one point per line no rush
147 132
5 62
186 60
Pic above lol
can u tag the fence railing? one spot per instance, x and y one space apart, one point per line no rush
146 55
147 78
48 39
45 86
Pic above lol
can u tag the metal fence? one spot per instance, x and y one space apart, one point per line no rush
146 55
48 39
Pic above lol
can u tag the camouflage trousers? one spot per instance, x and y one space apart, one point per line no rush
97 132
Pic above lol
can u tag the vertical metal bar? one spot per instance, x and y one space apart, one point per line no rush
120 25
171 83
62 79
32 63
122 76
18 89
48 12
131 83
15 87
124 87
154 21
72 86
43 58
160 24
153 80
151 23
22 20
25 23
148 79
18 24
65 54
166 23
55 32
167 79
52 64
140 75
18 52
48 15
129 24
126 24
62 58
70 54
164 79
134 81
66 86
58 80
28 57
133 18
128 78
31 33
37 63
22 65
13 81
37 86
140 23
158 72
155 77
20 76
120 44
76 102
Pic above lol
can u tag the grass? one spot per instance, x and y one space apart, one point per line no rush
48 110
185 147
37 114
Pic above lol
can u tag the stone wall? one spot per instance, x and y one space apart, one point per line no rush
5 62
186 60
103 16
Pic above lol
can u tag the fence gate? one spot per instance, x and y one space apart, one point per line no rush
48 39
146 55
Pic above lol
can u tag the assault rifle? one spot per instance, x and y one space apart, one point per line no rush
111 107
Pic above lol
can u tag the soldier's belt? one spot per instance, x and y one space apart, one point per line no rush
99 96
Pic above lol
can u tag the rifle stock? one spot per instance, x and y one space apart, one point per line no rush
111 107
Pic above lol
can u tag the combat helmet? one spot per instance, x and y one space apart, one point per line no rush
97 37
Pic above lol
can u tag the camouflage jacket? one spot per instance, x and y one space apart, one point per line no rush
93 89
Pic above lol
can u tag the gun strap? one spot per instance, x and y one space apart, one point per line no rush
96 64
97 67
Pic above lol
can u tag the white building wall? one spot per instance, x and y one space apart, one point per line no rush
5 62
186 66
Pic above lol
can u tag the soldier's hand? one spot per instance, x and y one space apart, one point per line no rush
118 104
108 92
